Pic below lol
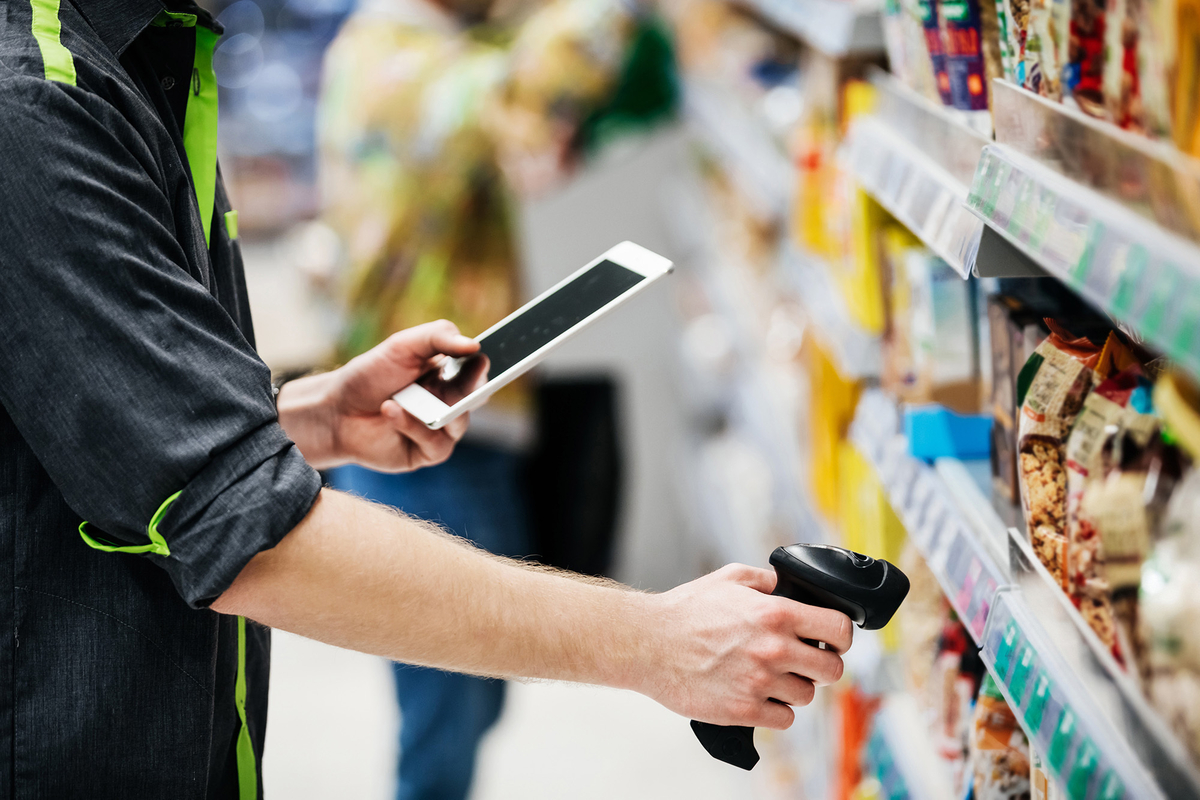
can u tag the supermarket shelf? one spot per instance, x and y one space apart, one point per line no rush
1140 273
835 27
1115 695
899 754
958 554
1088 755
745 148
916 159
855 352
1101 737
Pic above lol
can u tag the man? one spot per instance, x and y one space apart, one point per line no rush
133 399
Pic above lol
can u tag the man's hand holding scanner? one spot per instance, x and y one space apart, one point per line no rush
741 659
348 415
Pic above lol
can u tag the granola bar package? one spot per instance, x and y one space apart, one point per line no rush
1096 423
999 749
1051 389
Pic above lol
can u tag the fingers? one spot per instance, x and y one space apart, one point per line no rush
762 580
773 715
794 690
824 625
423 342
434 446
822 667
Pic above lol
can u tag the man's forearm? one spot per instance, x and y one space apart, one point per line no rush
720 649
360 576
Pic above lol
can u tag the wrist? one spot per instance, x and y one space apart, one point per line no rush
637 658
307 411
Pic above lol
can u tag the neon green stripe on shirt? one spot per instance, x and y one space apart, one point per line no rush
200 127
47 29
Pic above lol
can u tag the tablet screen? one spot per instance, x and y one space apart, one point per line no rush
534 328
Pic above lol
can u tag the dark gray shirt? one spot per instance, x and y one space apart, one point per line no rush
128 376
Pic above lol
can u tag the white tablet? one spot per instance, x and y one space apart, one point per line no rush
513 346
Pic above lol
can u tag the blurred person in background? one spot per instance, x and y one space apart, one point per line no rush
434 113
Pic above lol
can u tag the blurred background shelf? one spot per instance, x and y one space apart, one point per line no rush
916 159
856 351
835 27
742 145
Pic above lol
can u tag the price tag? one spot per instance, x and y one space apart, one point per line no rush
1111 788
1085 767
1131 271
969 579
1060 742
1083 267
1021 673
1004 652
980 605
1166 285
1037 703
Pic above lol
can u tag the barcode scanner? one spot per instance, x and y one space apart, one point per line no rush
865 589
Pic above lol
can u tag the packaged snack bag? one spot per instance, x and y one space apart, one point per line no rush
1051 389
1015 14
1121 85
1169 600
999 749
1185 93
1096 423
1156 60
1015 332
961 23
930 12
1046 46
1126 509
1170 618
1084 78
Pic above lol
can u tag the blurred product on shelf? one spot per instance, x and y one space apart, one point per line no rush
999 752
929 348
1015 333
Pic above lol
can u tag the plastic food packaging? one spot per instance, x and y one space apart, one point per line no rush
961 24
1084 80
1015 25
1099 418
1170 618
999 749
1014 334
1047 46
1121 86
1185 103
937 48
1052 387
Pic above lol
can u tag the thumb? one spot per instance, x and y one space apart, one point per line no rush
423 342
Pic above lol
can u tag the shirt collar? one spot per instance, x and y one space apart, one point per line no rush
118 22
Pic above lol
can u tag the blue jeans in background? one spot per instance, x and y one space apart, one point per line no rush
476 494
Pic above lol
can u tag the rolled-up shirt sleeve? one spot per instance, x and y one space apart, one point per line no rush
126 377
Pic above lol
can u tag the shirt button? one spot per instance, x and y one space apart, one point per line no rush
168 83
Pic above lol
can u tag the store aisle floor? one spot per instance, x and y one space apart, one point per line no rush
332 732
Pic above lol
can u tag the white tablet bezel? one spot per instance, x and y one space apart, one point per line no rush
430 409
